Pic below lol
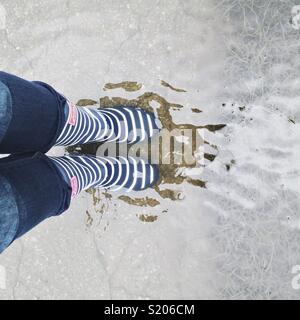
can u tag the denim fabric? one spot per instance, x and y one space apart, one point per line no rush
38 188
37 115
9 214
32 115
5 109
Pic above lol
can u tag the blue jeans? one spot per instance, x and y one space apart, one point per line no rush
32 115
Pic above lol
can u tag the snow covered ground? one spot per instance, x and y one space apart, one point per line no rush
238 61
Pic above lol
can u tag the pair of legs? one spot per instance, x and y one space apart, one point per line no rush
34 118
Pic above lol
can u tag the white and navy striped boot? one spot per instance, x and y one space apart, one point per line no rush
120 124
85 172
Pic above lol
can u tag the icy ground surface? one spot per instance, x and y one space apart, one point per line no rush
239 62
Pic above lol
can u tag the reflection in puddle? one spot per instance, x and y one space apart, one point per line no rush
167 85
140 202
126 85
170 174
196 110
86 102
147 218
89 220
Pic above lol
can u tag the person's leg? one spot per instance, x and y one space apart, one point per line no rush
35 188
85 172
34 117
9 216
31 190
5 109
120 124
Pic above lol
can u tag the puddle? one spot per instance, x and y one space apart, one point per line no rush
86 102
140 202
126 85
167 85
173 174
196 110
147 218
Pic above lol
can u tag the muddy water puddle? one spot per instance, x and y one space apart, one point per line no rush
172 174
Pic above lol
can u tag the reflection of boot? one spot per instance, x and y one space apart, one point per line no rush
84 172
120 124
